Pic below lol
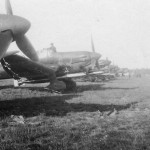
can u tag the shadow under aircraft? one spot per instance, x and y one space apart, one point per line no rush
54 106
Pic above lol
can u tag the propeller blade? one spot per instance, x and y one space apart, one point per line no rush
26 47
8 7
5 40
92 43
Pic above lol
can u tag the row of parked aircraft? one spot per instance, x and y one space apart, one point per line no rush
43 66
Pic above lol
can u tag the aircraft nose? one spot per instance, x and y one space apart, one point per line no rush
97 56
16 24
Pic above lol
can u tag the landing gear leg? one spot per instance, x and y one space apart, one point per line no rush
56 87
70 85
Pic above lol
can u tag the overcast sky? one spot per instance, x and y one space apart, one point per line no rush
120 28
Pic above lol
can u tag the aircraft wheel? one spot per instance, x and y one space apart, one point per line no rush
70 85
94 79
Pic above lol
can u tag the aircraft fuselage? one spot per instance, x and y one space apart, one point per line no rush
78 61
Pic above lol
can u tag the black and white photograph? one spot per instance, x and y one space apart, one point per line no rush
74 75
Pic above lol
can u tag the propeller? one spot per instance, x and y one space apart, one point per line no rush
5 41
8 7
93 49
92 43
22 41
26 47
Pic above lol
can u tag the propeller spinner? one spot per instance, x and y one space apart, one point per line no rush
13 28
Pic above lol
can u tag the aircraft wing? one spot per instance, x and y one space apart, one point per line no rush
82 74
96 73
108 74
74 75
20 67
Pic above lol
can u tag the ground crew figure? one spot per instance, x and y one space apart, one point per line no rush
52 48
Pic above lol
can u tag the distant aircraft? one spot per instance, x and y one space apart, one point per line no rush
103 67
13 28
124 72
103 63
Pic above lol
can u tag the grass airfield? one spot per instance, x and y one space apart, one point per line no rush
113 115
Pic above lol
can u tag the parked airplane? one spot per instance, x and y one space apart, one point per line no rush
103 63
13 28
103 67
124 72
114 69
